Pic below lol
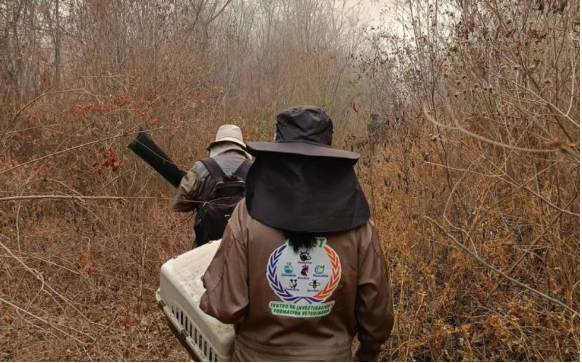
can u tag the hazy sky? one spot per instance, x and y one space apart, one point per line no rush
371 10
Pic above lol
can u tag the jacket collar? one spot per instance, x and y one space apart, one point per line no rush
223 147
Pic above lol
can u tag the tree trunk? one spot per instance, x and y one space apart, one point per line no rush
57 43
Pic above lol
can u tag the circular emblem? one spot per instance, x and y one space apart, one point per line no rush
304 278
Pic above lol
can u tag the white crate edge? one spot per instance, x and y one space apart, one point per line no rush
180 290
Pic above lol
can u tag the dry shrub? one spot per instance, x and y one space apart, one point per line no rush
465 113
480 144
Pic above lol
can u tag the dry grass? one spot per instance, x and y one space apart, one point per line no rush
467 121
449 307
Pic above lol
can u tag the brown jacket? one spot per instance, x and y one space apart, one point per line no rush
304 306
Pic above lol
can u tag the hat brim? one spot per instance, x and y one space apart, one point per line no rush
300 148
226 139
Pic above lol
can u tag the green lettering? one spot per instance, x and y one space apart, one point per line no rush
290 309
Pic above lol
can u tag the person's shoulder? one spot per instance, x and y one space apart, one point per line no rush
239 220
366 231
367 235
199 169
244 218
240 213
241 208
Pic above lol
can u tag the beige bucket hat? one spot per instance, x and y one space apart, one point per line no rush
228 133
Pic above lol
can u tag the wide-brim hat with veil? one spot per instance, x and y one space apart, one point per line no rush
300 183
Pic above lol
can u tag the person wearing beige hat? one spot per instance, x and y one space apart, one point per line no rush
214 185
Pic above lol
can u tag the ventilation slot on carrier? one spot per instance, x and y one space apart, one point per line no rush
196 336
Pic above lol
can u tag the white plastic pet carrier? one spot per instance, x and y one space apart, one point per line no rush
205 338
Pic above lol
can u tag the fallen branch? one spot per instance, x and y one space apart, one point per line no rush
499 272
41 319
82 198
38 275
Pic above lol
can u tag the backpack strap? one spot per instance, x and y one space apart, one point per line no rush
213 168
243 169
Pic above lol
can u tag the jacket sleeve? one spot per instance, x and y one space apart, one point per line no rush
186 193
374 301
226 280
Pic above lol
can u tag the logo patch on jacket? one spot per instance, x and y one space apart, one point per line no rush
305 280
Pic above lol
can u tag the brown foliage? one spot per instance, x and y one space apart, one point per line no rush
466 114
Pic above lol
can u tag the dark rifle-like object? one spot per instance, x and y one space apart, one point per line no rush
144 147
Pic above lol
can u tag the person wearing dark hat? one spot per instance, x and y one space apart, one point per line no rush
228 158
300 271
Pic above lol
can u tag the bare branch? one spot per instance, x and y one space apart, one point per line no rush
497 271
